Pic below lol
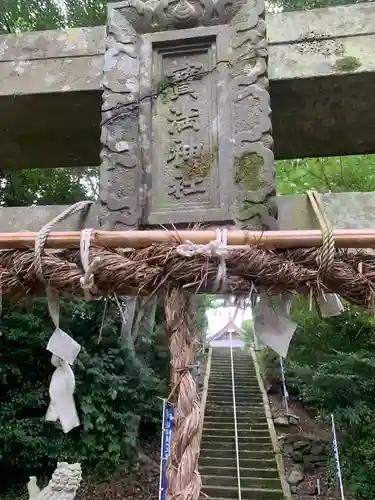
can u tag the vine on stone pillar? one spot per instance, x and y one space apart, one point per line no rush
184 481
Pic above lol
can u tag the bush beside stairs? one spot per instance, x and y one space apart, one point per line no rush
260 478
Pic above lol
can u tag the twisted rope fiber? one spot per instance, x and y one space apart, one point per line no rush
327 254
148 270
42 235
184 481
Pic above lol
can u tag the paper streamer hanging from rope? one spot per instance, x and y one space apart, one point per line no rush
272 324
64 349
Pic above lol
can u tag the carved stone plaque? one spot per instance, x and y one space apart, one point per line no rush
186 127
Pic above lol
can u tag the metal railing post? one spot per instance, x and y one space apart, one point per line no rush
235 420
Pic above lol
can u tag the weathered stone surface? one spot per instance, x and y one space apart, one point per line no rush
281 421
288 448
317 448
345 211
186 116
293 419
301 445
121 168
317 62
51 61
295 476
297 456
315 458
34 218
308 466
189 130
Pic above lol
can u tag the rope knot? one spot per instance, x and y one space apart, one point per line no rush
217 248
88 280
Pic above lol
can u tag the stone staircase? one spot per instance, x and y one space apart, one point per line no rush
260 479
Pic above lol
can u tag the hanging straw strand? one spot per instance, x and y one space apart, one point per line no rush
327 253
184 482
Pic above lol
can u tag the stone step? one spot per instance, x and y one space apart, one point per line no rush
220 374
238 392
242 433
229 492
229 409
227 368
249 438
239 386
228 398
242 423
243 360
243 446
248 463
240 403
246 482
242 398
228 425
218 471
253 400
246 417
222 371
248 400
216 385
266 454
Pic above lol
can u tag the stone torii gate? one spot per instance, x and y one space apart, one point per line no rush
186 128
185 118
320 69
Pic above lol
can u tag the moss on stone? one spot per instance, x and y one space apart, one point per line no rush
199 168
164 90
347 64
247 171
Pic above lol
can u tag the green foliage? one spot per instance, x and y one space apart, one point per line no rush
336 174
288 5
330 368
35 15
47 186
116 393
247 336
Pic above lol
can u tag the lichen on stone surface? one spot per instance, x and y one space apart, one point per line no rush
199 168
319 43
347 64
163 89
247 171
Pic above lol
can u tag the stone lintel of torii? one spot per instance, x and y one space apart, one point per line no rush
321 70
345 211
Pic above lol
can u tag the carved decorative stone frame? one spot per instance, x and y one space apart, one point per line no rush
230 38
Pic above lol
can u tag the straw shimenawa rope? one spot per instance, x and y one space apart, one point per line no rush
327 253
184 482
148 270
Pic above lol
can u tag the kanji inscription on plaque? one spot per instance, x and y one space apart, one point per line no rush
186 182
186 127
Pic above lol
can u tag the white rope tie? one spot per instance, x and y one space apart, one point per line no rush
42 235
88 280
217 248
64 349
